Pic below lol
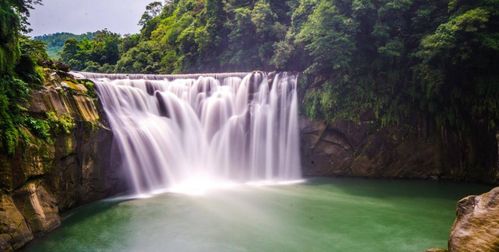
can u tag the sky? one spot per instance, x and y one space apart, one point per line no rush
81 16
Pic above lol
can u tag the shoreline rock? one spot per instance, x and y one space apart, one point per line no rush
476 227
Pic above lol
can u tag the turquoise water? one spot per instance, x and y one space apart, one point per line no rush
320 215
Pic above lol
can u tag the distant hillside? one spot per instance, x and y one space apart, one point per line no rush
55 42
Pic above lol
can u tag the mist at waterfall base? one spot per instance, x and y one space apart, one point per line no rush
191 133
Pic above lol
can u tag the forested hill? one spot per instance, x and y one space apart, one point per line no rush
55 42
397 58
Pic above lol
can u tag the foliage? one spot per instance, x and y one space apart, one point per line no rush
9 34
33 55
98 54
60 124
16 67
13 94
152 10
22 9
194 35
459 64
400 59
40 127
20 73
50 125
55 42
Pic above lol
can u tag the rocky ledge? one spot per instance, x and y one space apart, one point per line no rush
48 176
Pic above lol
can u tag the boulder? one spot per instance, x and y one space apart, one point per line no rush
476 227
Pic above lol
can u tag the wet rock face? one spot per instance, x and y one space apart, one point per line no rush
44 178
353 149
476 227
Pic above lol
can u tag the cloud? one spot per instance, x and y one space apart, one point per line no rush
80 16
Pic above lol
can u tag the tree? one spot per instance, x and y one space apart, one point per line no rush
23 8
92 54
152 10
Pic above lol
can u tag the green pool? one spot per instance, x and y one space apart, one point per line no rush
319 215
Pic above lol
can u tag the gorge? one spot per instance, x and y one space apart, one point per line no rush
265 125
149 113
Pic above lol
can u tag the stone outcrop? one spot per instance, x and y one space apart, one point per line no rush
476 227
46 177
345 148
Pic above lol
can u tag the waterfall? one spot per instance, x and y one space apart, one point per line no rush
177 129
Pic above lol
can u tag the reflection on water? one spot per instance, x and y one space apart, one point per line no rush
321 215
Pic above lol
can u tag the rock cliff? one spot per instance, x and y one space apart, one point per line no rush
47 176
345 148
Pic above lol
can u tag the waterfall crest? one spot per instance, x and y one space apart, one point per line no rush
171 129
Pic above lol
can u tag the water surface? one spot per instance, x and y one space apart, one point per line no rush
320 215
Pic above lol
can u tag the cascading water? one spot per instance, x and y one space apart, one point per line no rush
182 130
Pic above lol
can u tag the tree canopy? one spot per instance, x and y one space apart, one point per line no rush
98 54
398 59
55 42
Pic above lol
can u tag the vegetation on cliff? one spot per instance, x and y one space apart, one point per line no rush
17 67
22 62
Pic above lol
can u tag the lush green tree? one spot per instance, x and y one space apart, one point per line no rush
9 35
143 58
69 54
93 54
22 8
152 10
55 42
